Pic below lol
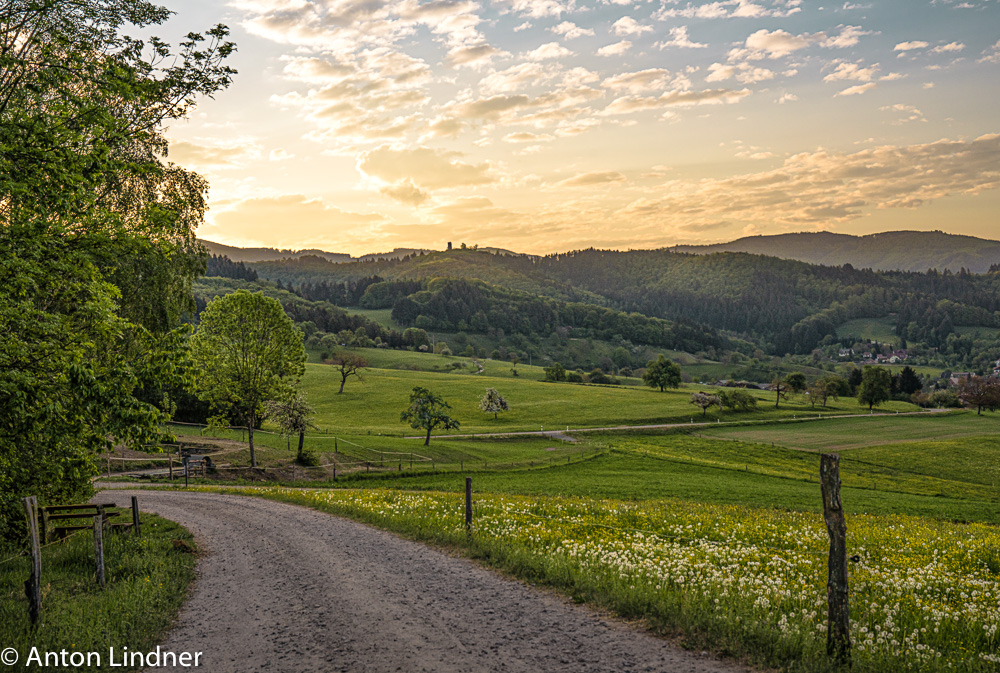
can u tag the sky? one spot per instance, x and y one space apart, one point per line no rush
544 126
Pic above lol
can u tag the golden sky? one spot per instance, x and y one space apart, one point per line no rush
548 125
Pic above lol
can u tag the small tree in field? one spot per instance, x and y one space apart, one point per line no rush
493 402
427 412
875 388
704 401
292 415
979 392
347 364
780 388
247 351
662 373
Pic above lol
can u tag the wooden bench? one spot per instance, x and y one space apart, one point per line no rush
51 513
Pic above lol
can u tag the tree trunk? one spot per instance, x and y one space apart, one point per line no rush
494 415
343 380
777 396
428 440
302 441
253 456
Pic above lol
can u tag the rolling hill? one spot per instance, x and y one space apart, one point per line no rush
888 251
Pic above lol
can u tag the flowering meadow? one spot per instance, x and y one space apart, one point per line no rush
924 594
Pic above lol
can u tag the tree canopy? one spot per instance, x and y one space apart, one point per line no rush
662 373
246 352
875 388
97 243
427 411
493 402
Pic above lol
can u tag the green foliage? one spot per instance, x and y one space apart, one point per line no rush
737 400
555 373
875 388
662 373
796 381
293 416
246 351
97 244
427 412
705 401
493 402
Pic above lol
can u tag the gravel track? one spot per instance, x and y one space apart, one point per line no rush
285 588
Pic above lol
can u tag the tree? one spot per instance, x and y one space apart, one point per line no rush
347 364
829 386
796 381
555 373
427 412
662 373
98 251
981 393
292 415
705 400
515 360
247 351
876 386
909 381
493 402
737 400
780 387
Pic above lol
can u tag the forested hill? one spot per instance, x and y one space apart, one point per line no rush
894 250
784 306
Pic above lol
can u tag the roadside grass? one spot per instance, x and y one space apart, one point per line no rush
843 434
741 581
147 580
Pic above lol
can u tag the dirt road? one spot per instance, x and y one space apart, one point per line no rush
284 588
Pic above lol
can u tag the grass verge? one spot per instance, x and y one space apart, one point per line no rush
147 580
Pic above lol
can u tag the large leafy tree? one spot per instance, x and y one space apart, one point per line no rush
875 388
428 411
246 352
97 243
662 373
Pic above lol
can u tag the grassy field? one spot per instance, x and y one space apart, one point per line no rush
852 433
882 330
147 580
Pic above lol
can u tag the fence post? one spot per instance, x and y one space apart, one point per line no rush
170 463
33 587
468 504
135 515
838 636
99 548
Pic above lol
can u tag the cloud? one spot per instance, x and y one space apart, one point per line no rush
910 113
679 38
616 49
537 9
473 56
729 9
422 167
680 98
823 187
280 155
857 89
652 79
851 71
406 192
592 179
778 43
490 108
514 78
525 137
629 26
910 46
549 50
991 55
949 48
316 223
214 154
745 73
570 30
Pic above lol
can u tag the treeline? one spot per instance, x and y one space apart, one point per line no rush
223 267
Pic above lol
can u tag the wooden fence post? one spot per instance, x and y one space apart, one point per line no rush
135 515
99 548
170 464
468 504
33 586
838 636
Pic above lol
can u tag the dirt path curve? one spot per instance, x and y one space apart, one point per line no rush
285 588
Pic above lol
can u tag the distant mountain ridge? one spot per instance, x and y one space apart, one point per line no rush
273 254
888 251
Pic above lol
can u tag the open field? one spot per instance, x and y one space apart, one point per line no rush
882 330
852 433
374 405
